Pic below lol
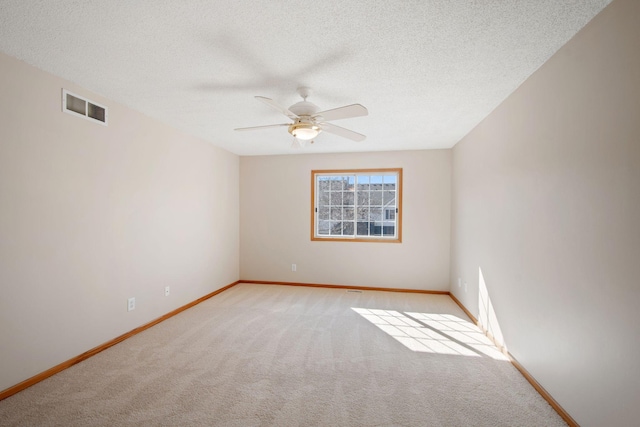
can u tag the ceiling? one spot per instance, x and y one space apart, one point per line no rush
428 71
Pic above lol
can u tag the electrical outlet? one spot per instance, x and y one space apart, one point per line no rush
293 267
131 304
166 291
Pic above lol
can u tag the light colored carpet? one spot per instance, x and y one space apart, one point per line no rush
266 355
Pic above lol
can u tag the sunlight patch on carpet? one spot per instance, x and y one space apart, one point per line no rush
433 333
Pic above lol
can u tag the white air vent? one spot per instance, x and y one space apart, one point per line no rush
82 107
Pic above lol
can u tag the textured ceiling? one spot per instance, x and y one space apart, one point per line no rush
427 70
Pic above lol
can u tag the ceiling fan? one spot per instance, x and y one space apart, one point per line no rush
309 122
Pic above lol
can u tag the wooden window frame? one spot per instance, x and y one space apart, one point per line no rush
373 239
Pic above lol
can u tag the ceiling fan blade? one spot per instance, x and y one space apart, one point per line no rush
277 106
263 127
346 112
340 131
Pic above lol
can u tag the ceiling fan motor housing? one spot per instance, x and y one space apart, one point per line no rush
304 108
305 127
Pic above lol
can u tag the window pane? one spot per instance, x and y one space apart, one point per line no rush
351 180
347 214
337 183
389 198
323 183
348 198
363 182
363 228
324 198
336 198
323 213
375 228
336 228
375 198
388 228
323 227
389 213
347 228
375 214
336 213
363 198
375 183
363 214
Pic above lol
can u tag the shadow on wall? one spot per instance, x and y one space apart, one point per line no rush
487 316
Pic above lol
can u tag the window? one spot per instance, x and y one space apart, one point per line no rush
361 205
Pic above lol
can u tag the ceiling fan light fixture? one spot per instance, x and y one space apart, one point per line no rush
308 123
304 131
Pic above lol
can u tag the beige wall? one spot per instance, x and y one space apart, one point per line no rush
275 223
546 203
543 202
92 215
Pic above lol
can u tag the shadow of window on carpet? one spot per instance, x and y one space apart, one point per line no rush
433 333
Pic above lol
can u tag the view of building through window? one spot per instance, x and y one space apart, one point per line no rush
357 204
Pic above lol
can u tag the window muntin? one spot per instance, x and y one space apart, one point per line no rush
357 205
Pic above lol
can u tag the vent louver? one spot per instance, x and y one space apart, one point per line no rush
82 107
